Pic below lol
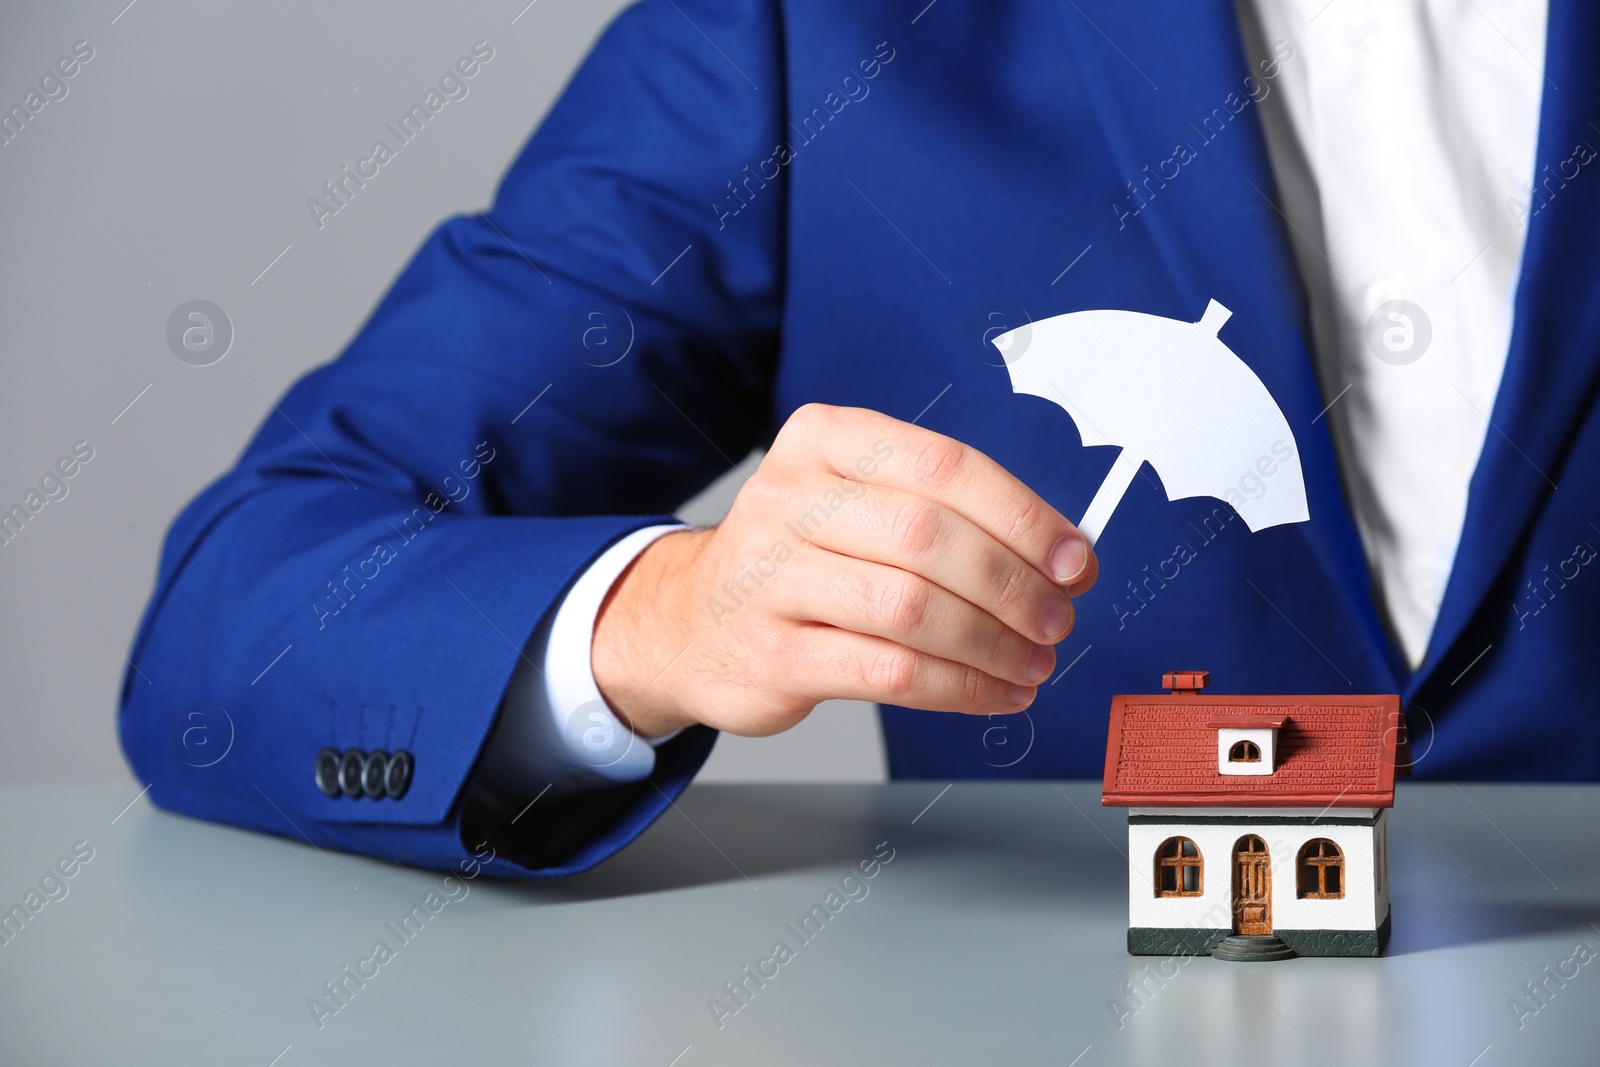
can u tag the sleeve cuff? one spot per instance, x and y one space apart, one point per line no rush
556 730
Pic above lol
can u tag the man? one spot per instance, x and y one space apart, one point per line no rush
444 601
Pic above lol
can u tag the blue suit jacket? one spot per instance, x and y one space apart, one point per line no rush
742 206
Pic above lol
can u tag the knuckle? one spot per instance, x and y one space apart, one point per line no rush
766 486
893 672
940 463
1014 584
974 686
916 526
1025 519
903 604
1000 645
805 424
814 415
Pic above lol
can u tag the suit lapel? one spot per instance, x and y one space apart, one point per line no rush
1551 365
1181 82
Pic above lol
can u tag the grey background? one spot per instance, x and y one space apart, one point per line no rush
177 168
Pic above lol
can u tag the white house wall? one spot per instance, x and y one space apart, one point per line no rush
1363 906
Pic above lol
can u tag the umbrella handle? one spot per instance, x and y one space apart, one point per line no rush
1108 496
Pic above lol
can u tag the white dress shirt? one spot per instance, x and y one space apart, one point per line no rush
1402 137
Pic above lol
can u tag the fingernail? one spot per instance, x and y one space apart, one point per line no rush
1056 617
1040 662
1068 558
1022 696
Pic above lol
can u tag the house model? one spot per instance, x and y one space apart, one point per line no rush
1257 826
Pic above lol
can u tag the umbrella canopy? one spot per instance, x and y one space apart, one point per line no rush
1169 393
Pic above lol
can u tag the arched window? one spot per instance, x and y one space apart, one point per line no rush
1321 870
1244 752
1179 868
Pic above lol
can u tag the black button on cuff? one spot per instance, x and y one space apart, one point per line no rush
328 772
354 773
374 773
350 769
397 778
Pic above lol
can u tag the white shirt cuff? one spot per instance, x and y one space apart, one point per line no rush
555 729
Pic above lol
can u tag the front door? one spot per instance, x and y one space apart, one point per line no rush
1252 887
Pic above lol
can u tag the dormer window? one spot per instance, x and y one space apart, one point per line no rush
1244 752
1247 744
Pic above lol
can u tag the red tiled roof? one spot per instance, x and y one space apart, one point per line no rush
1338 751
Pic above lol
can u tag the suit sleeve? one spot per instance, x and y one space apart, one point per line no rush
540 381
556 734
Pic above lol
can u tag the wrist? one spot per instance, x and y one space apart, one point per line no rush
641 635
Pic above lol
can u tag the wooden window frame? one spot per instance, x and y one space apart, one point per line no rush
1179 863
1244 752
1312 870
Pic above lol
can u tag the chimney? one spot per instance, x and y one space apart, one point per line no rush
1186 682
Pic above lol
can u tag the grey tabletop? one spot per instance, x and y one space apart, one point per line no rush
991 932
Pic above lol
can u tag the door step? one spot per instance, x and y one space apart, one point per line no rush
1248 947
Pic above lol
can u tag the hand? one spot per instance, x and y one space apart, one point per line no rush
866 558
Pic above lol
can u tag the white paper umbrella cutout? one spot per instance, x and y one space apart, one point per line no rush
1170 393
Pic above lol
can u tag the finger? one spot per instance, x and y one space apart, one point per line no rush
913 533
842 664
909 609
854 441
1085 581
